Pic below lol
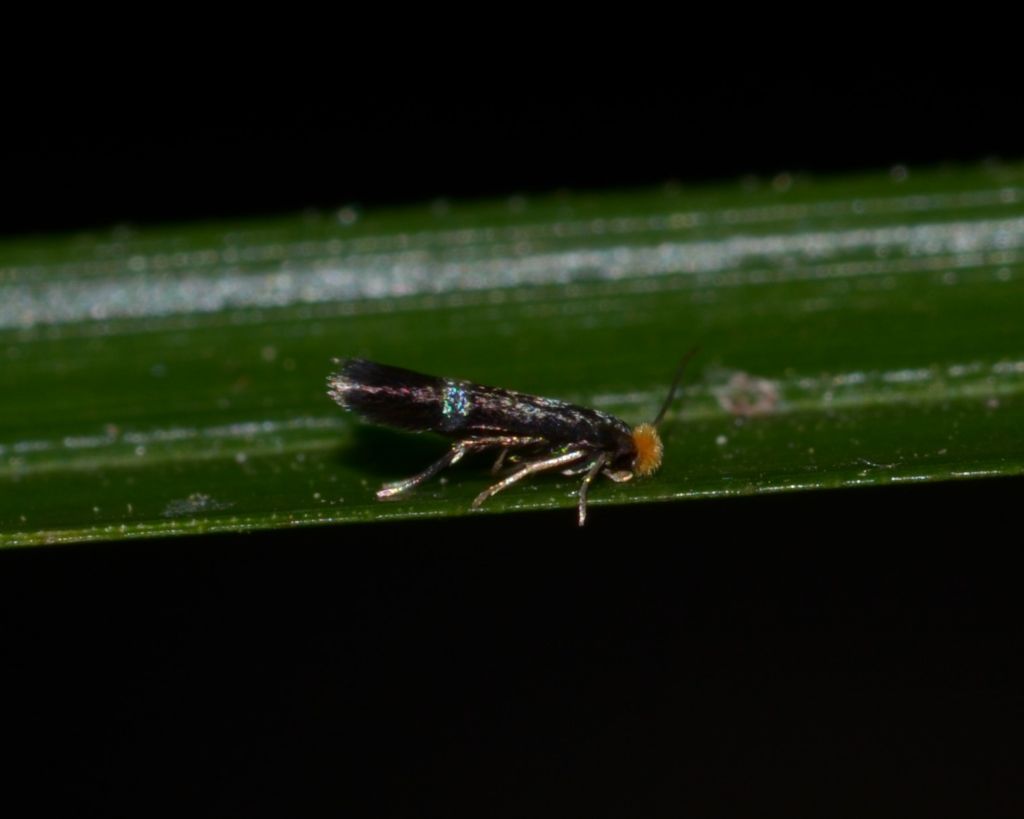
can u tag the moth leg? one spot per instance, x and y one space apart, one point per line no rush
500 462
508 444
595 467
619 476
529 469
451 457
396 488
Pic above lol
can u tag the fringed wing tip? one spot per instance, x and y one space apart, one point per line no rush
337 388
351 377
341 381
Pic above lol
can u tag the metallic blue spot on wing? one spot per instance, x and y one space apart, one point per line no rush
454 405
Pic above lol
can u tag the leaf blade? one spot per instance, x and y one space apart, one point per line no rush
855 332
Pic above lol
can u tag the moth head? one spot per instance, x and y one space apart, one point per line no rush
649 449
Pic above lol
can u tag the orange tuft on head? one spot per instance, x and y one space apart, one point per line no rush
648 449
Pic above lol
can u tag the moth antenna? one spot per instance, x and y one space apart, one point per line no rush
675 384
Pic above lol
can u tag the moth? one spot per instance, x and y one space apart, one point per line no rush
531 434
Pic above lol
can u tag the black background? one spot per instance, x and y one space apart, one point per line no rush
97 156
822 654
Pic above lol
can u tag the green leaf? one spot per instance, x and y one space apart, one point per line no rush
856 331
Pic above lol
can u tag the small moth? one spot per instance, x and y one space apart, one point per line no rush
531 433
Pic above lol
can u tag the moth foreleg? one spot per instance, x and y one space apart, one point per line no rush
595 467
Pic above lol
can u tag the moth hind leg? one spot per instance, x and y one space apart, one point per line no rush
395 489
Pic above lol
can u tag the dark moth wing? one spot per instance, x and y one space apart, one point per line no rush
390 396
404 399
